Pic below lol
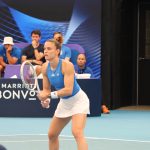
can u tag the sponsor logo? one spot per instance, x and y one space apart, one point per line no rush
14 91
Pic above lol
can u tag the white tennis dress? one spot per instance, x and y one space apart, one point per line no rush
77 104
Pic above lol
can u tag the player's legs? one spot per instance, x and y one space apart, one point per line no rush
56 127
78 125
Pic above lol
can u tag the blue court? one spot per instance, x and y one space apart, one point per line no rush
119 130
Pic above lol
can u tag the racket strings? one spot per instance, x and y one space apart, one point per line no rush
29 76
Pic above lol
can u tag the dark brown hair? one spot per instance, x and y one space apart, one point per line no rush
60 39
36 32
57 44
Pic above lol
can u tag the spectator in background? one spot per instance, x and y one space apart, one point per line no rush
9 54
35 51
65 51
81 67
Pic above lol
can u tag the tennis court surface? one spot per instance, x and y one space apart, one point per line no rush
119 130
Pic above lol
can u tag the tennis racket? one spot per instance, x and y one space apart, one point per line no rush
29 77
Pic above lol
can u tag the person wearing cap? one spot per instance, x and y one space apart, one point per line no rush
9 54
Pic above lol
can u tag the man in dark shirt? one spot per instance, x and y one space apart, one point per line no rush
35 51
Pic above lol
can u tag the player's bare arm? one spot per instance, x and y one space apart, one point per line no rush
44 94
68 71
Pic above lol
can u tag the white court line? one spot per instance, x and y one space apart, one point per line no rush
22 135
68 136
30 141
23 141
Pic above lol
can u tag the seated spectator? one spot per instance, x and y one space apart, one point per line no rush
81 67
9 54
35 51
65 51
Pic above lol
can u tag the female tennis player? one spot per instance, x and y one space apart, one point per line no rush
74 103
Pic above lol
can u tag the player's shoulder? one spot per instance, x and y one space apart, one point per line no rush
66 62
67 65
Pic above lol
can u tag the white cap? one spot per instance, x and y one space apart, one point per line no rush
8 40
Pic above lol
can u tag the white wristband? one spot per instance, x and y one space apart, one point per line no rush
54 95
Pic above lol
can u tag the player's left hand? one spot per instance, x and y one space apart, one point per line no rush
46 103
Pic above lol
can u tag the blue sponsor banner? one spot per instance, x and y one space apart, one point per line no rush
17 101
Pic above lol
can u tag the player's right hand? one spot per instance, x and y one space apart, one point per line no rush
42 95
